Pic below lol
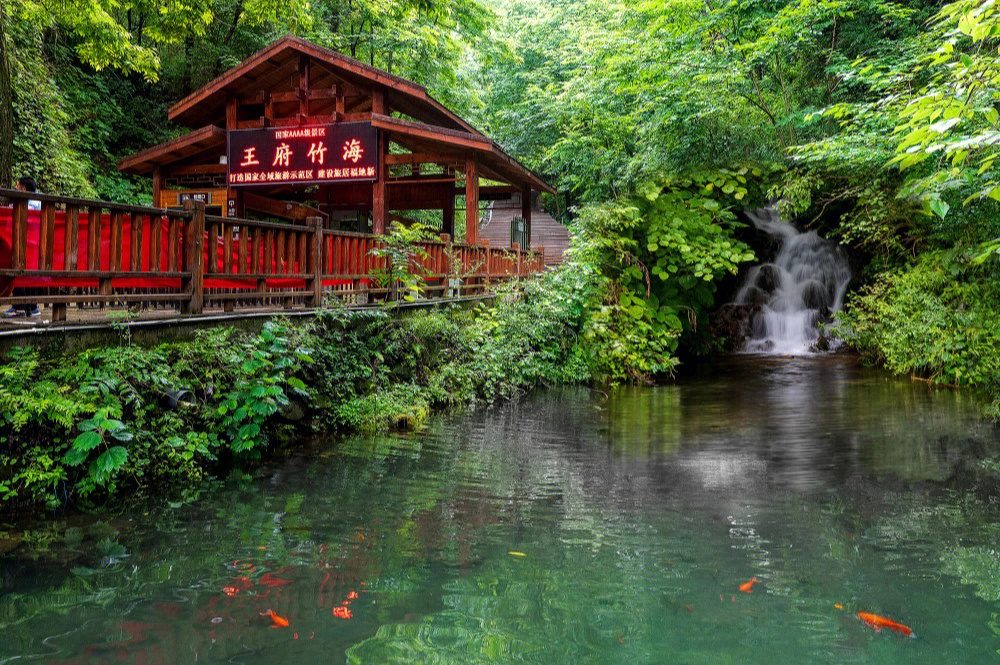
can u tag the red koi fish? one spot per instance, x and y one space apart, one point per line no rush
276 621
877 623
747 587
267 579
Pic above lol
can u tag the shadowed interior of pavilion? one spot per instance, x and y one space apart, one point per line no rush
296 163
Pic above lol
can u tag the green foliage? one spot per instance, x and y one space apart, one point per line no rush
402 257
935 319
658 257
26 398
257 386
95 435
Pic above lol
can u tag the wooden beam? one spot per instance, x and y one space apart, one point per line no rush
471 202
418 130
298 119
284 209
194 169
254 99
491 192
421 179
423 158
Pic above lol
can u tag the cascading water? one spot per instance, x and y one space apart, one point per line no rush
789 297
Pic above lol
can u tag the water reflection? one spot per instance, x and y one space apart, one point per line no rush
572 527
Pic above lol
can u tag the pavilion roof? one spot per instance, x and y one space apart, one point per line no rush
182 147
278 62
431 127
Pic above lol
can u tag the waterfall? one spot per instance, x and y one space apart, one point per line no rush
789 297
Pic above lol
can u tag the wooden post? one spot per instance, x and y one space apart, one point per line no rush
378 189
471 202
339 102
227 259
19 235
70 242
448 214
115 249
268 119
194 252
446 256
315 263
517 251
487 262
46 236
526 215
71 237
94 223
303 91
157 187
231 114
378 102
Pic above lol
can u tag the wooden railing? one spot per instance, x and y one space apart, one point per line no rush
76 251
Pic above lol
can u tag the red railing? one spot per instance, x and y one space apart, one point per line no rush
76 251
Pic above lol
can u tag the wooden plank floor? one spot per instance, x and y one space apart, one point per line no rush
546 232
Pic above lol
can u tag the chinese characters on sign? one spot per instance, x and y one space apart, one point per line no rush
313 154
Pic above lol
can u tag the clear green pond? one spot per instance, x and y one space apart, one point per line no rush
575 527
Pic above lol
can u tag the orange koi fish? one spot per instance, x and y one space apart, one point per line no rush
276 621
877 623
342 612
747 587
238 584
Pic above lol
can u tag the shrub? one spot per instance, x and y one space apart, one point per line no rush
935 319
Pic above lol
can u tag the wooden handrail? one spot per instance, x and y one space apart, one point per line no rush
16 194
110 252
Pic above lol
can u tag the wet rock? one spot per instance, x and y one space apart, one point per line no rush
729 323
9 543
294 411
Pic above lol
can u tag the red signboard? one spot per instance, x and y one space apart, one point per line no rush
310 154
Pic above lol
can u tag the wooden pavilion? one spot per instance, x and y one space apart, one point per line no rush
298 130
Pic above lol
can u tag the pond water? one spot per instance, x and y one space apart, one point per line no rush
574 527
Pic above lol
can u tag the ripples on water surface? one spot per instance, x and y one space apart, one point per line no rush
638 516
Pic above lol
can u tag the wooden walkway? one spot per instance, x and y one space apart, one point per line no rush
547 235
75 256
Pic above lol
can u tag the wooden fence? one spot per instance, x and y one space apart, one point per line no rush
76 251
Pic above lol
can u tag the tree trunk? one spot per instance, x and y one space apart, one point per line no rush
6 106
186 79
236 21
